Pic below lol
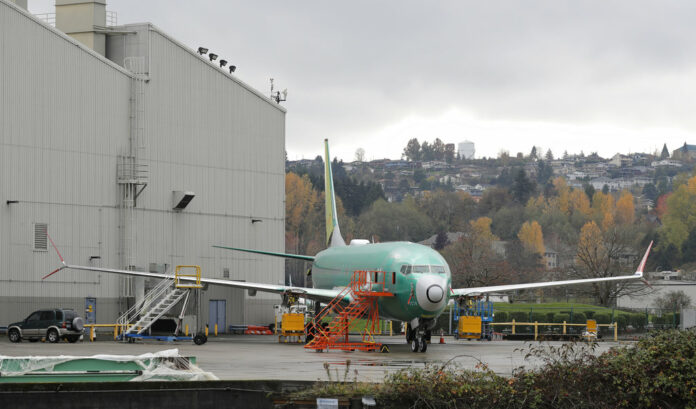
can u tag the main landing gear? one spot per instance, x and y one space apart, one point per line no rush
418 338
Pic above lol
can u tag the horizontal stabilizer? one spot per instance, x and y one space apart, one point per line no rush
269 253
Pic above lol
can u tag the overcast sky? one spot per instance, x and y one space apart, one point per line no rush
605 76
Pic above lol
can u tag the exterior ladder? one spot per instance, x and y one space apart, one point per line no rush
160 300
364 292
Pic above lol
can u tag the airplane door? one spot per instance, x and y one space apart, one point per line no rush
90 310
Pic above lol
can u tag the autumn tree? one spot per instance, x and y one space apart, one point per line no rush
603 210
303 223
625 210
680 215
599 255
531 237
472 258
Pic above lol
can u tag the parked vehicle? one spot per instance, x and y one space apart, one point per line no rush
52 324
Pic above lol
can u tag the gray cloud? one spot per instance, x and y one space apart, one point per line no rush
354 67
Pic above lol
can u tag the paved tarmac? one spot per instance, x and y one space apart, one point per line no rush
262 357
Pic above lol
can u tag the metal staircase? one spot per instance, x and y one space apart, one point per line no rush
364 292
160 300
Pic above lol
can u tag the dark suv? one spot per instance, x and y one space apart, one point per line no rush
55 324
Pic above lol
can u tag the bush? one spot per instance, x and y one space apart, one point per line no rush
589 314
602 318
519 316
579 318
657 371
621 321
561 317
501 316
539 317
638 321
550 316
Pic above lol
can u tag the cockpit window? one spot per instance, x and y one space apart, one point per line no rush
437 269
406 269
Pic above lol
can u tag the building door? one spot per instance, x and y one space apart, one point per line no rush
216 315
90 310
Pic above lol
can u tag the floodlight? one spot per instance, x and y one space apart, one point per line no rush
212 56
202 50
232 68
223 63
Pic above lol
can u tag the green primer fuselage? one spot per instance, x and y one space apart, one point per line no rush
333 268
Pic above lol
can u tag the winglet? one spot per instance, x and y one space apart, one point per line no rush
59 256
641 267
56 248
333 232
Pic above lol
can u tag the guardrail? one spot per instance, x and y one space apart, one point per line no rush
564 324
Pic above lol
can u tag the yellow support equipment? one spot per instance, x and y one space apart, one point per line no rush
179 273
292 325
469 327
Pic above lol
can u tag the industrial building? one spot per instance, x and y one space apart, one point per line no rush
131 150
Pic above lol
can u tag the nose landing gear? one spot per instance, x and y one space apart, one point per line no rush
418 337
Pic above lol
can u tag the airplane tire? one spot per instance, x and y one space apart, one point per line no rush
415 344
423 346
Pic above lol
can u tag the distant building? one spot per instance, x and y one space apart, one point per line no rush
466 150
685 152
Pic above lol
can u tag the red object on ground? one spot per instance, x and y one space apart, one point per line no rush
363 290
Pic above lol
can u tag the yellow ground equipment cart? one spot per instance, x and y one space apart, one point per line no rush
292 323
469 327
474 317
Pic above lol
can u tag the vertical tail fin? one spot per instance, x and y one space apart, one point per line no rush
333 232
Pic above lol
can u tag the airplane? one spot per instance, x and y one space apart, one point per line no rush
418 276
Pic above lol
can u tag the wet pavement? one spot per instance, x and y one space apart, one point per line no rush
262 357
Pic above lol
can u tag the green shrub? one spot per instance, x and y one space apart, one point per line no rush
638 321
539 317
621 321
602 318
550 316
519 316
561 317
501 316
579 318
589 314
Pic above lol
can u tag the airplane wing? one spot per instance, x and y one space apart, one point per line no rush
496 288
317 294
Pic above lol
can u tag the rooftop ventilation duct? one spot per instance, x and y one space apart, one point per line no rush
182 199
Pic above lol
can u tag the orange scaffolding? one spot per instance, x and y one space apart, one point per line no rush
364 288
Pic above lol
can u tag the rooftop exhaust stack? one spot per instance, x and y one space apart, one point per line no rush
83 20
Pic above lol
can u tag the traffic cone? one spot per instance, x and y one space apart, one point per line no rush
442 338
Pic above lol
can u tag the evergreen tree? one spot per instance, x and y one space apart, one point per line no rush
522 187
665 152
441 241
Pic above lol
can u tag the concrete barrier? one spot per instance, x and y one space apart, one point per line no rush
146 395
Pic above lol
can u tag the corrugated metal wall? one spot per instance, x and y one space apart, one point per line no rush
65 119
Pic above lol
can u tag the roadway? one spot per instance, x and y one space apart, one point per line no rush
262 357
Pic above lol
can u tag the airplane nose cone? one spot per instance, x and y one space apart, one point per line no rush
430 292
